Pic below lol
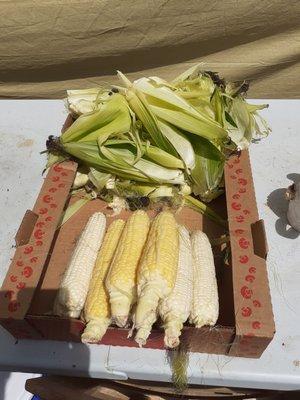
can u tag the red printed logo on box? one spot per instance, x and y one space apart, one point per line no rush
256 325
246 311
257 303
27 272
250 278
13 306
244 243
244 259
236 206
246 292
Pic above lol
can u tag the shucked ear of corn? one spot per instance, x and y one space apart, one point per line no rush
74 286
205 305
121 279
175 309
157 272
96 312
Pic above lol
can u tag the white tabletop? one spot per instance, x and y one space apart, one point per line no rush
24 127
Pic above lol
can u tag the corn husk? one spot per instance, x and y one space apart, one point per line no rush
111 119
208 171
83 101
120 162
156 138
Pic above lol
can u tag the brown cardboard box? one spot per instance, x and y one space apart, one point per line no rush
245 326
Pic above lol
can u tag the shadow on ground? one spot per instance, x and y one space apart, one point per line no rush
3 379
279 205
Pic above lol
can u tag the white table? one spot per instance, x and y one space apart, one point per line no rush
24 127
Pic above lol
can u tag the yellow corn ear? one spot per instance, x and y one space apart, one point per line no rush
156 273
121 279
205 305
175 309
75 283
97 309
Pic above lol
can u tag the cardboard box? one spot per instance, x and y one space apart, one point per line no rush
245 326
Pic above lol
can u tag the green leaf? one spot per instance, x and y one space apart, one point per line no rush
54 159
139 105
113 118
118 161
229 119
190 124
99 179
149 152
199 206
171 107
208 170
180 143
73 209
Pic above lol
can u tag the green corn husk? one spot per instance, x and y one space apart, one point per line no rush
180 143
159 138
73 209
119 162
112 118
199 206
243 123
174 109
139 106
83 101
131 189
150 152
208 171
54 159
100 179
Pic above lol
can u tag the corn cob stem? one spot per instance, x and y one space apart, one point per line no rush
75 283
146 311
97 309
95 330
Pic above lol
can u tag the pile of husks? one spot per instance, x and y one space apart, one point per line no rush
151 139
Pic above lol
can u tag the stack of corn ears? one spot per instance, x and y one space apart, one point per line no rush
138 271
156 138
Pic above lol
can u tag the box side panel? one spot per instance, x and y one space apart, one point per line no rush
203 340
62 329
249 346
212 340
252 301
29 259
20 328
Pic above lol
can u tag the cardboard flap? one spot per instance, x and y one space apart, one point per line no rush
252 303
34 241
260 245
26 227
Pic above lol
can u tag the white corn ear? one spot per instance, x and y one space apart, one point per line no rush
75 283
205 305
176 308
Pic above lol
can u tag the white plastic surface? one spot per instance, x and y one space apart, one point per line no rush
24 127
12 385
